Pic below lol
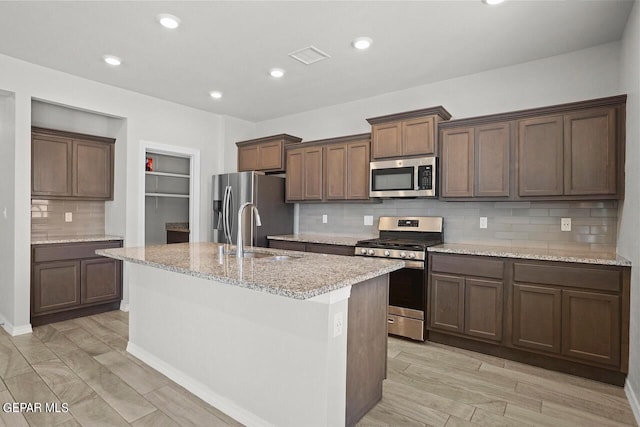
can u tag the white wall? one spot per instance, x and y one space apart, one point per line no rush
585 74
629 225
234 130
7 235
147 118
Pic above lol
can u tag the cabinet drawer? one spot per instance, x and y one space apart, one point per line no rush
405 326
59 252
322 248
579 277
287 245
468 266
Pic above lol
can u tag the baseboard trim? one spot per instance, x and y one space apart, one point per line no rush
124 307
633 400
221 403
15 330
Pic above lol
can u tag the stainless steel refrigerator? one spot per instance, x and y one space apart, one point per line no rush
231 190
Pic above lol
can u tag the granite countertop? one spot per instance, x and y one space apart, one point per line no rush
182 227
577 256
327 239
74 239
306 276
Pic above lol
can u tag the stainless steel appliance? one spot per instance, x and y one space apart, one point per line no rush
266 192
406 238
404 178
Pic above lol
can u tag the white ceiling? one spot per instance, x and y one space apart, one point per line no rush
231 45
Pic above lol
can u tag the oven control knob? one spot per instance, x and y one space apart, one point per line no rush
412 255
403 254
363 251
387 253
371 252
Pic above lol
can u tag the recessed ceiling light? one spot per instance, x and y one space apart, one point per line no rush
112 60
492 2
169 21
276 73
215 94
362 43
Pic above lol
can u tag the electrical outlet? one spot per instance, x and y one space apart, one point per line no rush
68 217
565 224
483 222
324 218
368 220
337 324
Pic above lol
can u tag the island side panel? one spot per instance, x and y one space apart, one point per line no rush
260 358
366 346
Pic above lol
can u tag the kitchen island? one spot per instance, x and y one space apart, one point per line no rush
281 338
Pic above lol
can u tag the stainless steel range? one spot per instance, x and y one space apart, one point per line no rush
406 238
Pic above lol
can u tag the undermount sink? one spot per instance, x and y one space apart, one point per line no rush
271 257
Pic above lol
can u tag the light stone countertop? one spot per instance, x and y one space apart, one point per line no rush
74 239
577 256
327 239
306 276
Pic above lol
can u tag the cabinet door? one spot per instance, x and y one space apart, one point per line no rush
270 156
92 169
536 317
386 140
50 166
335 176
295 175
492 164
248 158
483 309
540 156
101 280
313 173
590 152
55 286
446 302
457 162
418 136
358 170
591 326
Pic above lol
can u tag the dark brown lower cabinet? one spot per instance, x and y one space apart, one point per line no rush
69 280
56 286
536 317
569 317
591 326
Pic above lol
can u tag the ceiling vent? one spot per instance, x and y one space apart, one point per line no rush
309 55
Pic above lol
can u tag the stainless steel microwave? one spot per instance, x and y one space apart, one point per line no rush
403 178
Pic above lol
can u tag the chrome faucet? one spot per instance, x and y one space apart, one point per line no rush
240 245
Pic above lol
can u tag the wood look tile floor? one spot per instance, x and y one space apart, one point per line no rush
83 362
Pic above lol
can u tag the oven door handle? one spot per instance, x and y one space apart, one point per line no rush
415 265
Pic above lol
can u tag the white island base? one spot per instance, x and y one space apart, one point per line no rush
263 359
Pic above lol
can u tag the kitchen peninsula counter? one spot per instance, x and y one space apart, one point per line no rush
291 342
560 255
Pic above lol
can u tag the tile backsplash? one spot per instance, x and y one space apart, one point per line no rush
48 218
517 224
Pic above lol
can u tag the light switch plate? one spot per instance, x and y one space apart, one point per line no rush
483 222
368 220
68 217
565 224
324 218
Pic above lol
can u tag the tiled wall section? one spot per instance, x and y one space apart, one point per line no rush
516 224
47 218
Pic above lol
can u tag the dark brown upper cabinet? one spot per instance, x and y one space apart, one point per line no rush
329 169
304 174
563 152
475 161
67 165
264 154
409 134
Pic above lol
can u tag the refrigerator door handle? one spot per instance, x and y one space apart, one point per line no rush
224 214
230 215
